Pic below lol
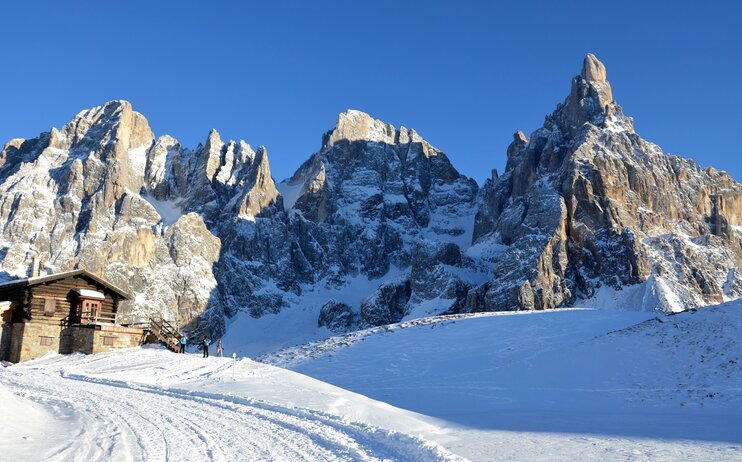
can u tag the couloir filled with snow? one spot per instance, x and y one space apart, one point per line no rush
554 385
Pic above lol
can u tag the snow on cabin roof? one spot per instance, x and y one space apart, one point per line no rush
87 293
53 277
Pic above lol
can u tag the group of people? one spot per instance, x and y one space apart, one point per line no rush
205 343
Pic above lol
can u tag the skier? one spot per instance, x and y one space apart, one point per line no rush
219 349
205 345
183 341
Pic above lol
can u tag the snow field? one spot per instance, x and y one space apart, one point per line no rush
560 385
592 384
98 416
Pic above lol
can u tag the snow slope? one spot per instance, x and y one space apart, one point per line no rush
607 385
150 404
297 322
557 385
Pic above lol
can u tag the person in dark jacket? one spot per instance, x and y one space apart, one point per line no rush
205 345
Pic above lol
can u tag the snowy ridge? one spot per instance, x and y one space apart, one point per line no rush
292 356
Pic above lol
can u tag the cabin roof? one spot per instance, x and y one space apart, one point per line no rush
29 282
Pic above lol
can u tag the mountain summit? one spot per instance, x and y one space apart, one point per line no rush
586 204
377 225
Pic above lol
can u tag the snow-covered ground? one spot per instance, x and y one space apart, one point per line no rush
566 385
598 384
149 404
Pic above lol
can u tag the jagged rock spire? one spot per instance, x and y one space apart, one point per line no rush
590 101
585 203
594 73
593 70
212 154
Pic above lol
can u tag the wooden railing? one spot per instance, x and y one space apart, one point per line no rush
98 318
166 333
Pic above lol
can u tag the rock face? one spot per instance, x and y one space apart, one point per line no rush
355 209
199 235
375 190
377 225
103 194
337 317
586 203
387 305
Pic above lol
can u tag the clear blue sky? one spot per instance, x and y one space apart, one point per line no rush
465 75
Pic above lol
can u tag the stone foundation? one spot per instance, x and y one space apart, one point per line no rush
102 338
30 340
5 341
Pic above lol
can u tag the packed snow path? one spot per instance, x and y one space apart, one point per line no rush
100 419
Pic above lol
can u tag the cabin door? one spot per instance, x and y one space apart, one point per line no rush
89 311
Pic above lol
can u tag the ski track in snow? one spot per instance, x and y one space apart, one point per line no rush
119 421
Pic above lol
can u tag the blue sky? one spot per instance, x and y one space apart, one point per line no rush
465 75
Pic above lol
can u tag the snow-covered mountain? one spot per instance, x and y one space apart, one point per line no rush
586 204
376 226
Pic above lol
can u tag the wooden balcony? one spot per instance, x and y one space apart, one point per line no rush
97 318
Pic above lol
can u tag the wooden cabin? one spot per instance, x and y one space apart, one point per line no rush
73 311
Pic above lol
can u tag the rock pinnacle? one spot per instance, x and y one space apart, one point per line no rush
593 70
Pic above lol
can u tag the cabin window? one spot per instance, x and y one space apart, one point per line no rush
108 341
50 306
45 341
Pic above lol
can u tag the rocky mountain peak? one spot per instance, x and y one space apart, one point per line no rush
593 70
586 205
355 125
590 101
116 117
212 153
260 191
213 138
519 143
110 111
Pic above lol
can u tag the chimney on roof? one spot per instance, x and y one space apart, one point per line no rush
36 265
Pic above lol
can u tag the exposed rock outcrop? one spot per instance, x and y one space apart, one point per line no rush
337 317
186 230
587 203
387 305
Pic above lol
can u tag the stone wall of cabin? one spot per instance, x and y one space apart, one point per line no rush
118 337
5 335
16 340
26 340
81 339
